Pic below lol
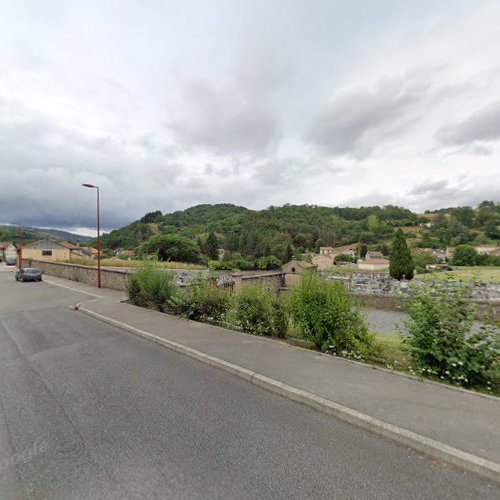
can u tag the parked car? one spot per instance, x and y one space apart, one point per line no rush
11 261
29 274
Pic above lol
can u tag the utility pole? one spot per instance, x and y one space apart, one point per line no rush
20 246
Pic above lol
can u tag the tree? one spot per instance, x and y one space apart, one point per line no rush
363 249
372 223
289 252
401 265
212 245
319 243
170 247
465 255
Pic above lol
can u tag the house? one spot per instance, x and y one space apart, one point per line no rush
294 269
220 253
350 252
53 250
7 251
374 255
93 252
323 261
374 265
326 250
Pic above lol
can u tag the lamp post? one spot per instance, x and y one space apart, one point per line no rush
98 235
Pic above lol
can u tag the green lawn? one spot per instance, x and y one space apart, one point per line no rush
391 350
481 273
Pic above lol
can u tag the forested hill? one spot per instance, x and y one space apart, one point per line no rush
277 230
10 233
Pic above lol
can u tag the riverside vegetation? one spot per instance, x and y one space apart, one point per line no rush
441 343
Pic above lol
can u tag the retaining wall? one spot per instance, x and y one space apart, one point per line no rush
109 278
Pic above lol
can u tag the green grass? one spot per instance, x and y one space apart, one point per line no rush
392 353
467 273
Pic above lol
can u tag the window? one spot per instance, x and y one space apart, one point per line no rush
47 252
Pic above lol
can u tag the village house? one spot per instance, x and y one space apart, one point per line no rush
374 265
7 251
323 261
326 250
220 253
54 250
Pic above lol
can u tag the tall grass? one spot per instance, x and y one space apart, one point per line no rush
131 263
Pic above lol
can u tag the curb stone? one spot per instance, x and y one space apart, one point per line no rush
435 449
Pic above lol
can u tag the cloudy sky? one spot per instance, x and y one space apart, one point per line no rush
167 104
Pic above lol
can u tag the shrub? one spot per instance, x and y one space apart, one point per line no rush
328 316
150 286
279 315
344 258
202 300
134 291
257 311
465 255
441 339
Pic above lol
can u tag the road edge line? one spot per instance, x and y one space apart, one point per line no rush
430 447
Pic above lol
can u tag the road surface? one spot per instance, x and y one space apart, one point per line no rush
90 411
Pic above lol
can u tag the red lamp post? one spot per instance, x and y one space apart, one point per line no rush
98 235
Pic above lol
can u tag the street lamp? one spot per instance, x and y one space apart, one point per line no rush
98 235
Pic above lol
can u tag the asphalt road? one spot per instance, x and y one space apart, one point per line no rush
90 411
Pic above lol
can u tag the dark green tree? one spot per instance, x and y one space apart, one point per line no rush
465 255
319 243
170 247
289 252
401 265
362 251
212 245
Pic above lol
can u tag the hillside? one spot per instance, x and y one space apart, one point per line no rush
9 233
282 231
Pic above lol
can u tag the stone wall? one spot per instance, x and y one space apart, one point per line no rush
377 283
275 280
109 278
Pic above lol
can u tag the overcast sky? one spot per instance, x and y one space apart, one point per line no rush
168 104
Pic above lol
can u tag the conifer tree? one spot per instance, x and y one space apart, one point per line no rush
401 264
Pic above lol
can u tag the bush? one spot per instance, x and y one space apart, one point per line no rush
279 315
202 300
328 316
465 255
270 263
261 311
150 286
441 340
344 258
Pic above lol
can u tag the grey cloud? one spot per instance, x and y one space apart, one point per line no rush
43 166
463 191
428 187
241 116
357 120
483 125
